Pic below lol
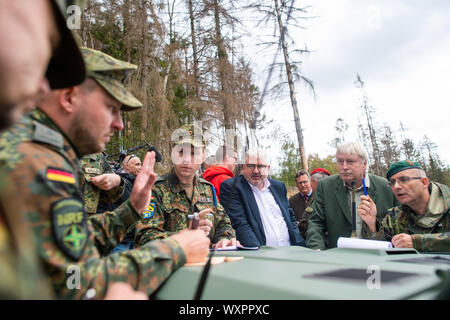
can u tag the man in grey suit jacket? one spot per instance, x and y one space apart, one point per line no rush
258 206
332 206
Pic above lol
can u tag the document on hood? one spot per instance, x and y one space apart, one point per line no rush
363 243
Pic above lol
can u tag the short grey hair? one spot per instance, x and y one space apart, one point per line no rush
255 154
421 173
353 147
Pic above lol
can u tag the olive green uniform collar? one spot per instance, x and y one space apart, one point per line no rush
174 182
39 115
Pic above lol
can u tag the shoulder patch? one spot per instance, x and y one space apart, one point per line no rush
69 226
150 210
46 135
59 175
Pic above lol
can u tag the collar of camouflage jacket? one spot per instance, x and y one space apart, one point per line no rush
174 182
40 116
437 206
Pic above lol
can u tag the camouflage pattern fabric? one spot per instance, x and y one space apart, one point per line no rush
430 232
20 272
44 171
111 74
95 165
170 206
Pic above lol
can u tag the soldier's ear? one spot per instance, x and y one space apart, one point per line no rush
67 98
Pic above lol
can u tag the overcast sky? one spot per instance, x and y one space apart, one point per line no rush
400 48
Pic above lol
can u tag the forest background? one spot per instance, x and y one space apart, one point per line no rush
194 65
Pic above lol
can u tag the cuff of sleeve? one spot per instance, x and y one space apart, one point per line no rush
178 255
417 240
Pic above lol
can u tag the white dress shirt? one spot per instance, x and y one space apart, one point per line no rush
275 228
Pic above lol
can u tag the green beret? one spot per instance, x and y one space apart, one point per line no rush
400 166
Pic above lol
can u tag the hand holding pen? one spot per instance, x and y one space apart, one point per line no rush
367 210
199 221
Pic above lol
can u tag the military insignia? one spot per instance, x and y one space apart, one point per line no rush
92 170
411 163
59 175
148 213
309 209
69 226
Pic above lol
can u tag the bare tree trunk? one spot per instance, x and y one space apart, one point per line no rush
171 42
371 129
194 49
222 65
144 66
290 79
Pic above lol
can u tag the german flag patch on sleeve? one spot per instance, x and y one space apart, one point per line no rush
60 175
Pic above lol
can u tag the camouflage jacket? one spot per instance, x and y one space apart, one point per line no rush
20 272
44 169
430 232
93 165
170 206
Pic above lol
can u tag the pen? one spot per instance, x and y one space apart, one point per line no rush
364 187
195 221
190 216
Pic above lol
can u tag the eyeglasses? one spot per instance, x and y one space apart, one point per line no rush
303 182
259 166
401 180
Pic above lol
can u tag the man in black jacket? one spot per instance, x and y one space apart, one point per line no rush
131 167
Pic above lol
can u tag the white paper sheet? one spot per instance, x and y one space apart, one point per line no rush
362 243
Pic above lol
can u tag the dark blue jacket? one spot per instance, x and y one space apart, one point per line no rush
237 198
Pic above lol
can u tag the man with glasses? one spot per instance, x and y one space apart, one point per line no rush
300 201
258 206
336 195
422 221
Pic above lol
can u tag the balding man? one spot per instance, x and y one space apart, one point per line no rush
258 206
422 221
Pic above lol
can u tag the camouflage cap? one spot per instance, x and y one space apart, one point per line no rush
189 133
400 166
111 74
66 67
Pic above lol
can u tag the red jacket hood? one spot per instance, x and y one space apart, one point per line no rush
210 173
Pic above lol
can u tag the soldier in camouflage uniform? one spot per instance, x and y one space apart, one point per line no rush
99 182
181 192
40 157
33 33
422 221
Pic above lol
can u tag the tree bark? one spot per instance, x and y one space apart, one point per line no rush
298 127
